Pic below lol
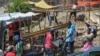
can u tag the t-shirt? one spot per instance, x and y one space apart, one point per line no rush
70 34
48 40
10 32
10 54
51 13
19 46
74 7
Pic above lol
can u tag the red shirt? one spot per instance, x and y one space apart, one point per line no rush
48 41
10 54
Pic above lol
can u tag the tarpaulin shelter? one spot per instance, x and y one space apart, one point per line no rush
42 4
11 17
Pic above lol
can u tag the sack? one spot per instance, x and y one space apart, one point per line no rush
57 42
86 39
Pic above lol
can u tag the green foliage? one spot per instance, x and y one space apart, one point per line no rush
18 6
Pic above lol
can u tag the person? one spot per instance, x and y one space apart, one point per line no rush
10 32
92 29
87 40
19 46
48 42
1 52
73 12
52 16
10 51
69 41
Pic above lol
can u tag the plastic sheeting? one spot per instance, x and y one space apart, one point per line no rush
41 4
9 18
16 15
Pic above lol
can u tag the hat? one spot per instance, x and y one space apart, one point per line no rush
52 29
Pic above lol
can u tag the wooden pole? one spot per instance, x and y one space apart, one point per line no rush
31 24
39 22
45 19
89 12
19 25
28 25
67 17
1 36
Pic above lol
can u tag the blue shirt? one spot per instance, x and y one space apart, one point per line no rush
70 34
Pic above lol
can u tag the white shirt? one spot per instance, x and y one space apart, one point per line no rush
1 53
74 7
51 13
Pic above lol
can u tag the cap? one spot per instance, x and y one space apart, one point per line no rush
52 29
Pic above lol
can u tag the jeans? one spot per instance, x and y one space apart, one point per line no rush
50 18
70 45
49 52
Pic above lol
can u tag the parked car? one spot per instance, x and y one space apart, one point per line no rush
94 51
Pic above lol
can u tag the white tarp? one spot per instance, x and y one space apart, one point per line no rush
16 15
10 17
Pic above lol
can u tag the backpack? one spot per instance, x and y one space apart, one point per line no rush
95 33
93 30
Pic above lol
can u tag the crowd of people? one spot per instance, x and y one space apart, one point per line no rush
69 40
16 48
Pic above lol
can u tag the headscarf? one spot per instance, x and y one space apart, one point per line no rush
17 38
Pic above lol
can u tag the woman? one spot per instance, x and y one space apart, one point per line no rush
87 40
48 42
19 46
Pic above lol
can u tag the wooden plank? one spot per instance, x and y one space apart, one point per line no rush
41 32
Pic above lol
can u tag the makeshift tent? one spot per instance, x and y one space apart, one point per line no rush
42 4
9 18
30 2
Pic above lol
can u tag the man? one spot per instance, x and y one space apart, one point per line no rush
10 31
52 16
48 42
73 12
69 42
19 46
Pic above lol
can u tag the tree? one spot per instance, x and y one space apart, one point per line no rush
18 6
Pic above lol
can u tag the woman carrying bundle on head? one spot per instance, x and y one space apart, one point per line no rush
87 40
